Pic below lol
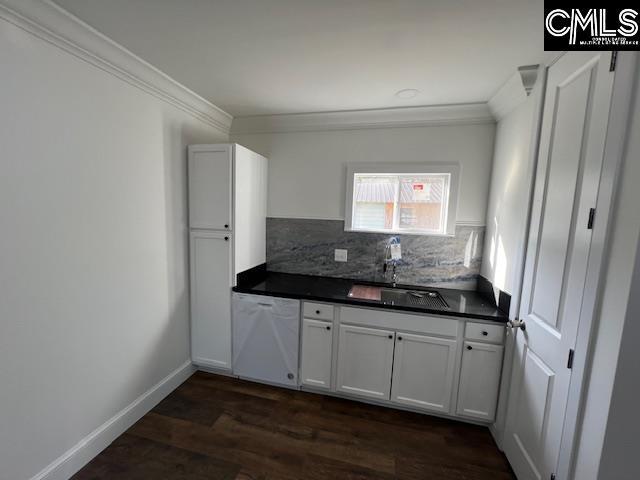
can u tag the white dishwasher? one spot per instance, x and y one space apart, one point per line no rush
266 338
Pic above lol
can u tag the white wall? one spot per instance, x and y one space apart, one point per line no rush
624 235
508 199
621 438
93 250
507 210
310 166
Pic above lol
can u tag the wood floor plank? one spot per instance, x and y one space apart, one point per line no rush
256 457
439 467
180 404
396 438
321 468
223 428
333 446
131 457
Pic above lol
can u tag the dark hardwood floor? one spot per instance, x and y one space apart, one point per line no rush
214 427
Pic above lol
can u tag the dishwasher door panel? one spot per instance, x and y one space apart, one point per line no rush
266 338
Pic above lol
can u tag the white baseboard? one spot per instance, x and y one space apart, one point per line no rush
225 372
497 436
87 448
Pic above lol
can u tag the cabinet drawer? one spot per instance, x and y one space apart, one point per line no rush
484 332
318 310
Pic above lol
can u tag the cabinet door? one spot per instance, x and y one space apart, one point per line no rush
211 299
423 371
210 180
365 358
317 341
479 380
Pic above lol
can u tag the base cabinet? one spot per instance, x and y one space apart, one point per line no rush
365 360
444 365
315 364
423 372
479 380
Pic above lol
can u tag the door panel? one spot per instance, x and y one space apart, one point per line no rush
479 380
210 180
266 338
365 358
532 408
575 115
423 371
563 169
211 299
315 367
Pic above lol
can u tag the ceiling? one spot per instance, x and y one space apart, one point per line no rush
252 57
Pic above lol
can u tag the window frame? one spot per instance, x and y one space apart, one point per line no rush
451 207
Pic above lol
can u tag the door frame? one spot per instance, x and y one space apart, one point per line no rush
612 158
614 148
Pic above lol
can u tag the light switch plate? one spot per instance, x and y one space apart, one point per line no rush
340 255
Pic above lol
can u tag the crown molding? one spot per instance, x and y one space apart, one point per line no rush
552 57
51 23
461 114
514 91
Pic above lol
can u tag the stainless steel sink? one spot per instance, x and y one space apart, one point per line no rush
428 299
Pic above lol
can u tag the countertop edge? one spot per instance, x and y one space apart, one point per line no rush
364 304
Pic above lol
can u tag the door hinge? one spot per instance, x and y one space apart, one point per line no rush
570 359
614 60
592 214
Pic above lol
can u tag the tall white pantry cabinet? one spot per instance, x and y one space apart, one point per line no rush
227 222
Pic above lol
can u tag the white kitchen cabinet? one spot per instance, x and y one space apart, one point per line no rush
317 342
210 187
227 199
479 380
423 371
210 298
365 359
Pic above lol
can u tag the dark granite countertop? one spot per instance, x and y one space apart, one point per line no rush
462 303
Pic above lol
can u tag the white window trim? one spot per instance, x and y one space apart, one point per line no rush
451 208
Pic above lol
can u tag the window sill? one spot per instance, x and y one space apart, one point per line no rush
402 232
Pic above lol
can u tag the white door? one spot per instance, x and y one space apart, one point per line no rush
574 125
479 380
365 358
423 371
315 365
210 181
211 299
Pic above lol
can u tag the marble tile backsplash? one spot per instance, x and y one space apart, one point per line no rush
307 247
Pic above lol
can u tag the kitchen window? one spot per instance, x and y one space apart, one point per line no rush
415 199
